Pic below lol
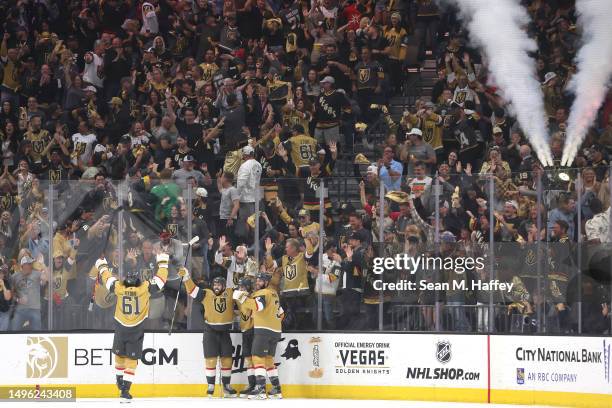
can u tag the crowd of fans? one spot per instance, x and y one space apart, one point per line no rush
128 126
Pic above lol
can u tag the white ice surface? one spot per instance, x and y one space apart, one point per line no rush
232 403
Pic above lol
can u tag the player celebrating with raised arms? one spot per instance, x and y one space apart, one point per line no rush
131 311
218 318
267 316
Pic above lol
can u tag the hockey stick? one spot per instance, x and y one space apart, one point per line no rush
189 244
113 215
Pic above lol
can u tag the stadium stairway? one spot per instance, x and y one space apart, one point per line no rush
419 83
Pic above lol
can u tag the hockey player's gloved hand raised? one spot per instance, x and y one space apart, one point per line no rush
101 265
240 296
162 260
183 273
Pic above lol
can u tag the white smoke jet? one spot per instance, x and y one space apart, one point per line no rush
594 61
497 28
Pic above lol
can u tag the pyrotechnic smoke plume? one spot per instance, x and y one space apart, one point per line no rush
594 61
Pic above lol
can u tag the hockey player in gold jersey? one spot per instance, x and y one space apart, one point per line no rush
218 318
247 328
131 310
267 316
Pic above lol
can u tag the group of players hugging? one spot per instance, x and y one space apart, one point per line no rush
260 323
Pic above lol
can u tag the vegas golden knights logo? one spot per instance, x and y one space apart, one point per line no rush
57 282
107 202
172 229
461 97
220 305
80 148
55 176
364 75
291 272
530 258
147 274
6 202
47 357
245 317
38 146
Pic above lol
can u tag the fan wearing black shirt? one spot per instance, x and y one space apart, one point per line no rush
5 298
368 83
377 42
204 149
329 106
187 128
331 64
164 153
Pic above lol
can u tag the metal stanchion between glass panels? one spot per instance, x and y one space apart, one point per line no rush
578 186
539 242
491 183
381 244
50 262
258 195
609 210
189 205
121 196
438 305
322 194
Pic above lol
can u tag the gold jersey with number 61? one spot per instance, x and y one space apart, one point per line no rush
132 306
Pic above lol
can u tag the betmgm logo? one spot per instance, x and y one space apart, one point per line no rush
47 357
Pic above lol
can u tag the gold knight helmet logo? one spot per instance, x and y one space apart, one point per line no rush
47 357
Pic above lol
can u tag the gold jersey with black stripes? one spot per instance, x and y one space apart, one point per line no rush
295 273
218 309
267 311
132 306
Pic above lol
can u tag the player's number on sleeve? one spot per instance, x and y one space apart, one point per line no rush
130 305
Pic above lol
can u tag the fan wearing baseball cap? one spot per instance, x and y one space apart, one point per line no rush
187 171
420 151
27 283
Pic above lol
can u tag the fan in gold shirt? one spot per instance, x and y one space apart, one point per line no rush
131 311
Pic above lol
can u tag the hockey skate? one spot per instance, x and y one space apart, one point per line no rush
275 393
229 392
125 392
245 393
258 393
210 391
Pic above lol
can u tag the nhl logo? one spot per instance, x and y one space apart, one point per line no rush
443 351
